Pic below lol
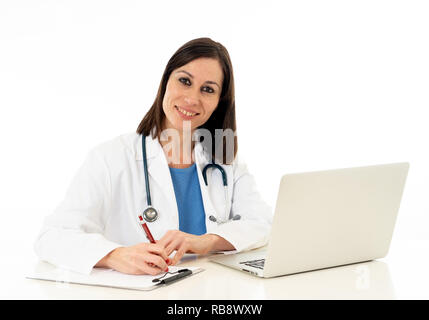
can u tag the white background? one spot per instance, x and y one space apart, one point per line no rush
319 85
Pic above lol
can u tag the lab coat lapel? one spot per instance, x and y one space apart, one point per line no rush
214 187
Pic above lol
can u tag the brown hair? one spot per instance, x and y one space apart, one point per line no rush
224 115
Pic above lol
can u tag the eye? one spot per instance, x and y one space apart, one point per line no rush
208 89
185 81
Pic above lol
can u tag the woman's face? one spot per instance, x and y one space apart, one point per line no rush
192 93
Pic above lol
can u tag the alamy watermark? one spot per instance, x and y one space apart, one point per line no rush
179 144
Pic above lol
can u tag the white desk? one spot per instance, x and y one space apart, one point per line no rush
401 275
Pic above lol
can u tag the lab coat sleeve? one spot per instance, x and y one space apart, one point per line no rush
72 237
253 229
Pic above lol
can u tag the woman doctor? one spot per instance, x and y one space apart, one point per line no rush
97 223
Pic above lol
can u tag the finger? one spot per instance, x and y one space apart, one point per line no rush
163 240
180 252
156 249
167 238
142 259
140 266
157 261
174 245
159 250
147 269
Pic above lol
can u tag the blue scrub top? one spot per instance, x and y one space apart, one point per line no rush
192 218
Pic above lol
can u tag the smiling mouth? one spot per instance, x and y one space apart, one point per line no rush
186 113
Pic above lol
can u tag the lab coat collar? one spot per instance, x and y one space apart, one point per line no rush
152 147
154 150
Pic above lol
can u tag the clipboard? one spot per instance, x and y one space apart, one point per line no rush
111 278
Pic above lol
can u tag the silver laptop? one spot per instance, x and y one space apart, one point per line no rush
327 218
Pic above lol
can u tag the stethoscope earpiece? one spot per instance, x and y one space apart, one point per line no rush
236 217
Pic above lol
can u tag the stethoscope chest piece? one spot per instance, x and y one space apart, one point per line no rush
150 214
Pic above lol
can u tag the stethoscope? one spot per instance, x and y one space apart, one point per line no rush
150 214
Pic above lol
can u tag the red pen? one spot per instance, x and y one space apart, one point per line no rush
146 230
149 235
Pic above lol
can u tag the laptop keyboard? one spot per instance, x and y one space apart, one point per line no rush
255 263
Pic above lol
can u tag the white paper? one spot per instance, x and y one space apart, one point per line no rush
102 277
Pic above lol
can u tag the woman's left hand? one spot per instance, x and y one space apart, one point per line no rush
184 242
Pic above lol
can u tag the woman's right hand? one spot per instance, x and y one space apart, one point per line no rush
142 258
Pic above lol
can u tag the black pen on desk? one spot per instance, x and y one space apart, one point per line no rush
178 276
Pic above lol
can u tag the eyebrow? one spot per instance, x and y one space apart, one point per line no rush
210 82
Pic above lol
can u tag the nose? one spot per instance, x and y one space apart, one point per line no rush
191 99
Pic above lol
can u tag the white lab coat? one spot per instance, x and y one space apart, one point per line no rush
99 212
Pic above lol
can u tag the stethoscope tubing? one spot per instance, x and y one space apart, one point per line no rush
146 175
